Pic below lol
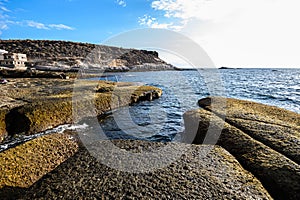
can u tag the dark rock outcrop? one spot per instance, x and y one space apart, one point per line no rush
194 175
6 104
3 132
253 133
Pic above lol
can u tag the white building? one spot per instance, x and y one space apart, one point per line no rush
12 60
2 52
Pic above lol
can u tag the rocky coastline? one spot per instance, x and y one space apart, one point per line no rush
31 105
264 139
256 155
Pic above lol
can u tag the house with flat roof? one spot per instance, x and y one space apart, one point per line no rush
12 60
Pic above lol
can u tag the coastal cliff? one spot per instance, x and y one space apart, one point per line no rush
66 55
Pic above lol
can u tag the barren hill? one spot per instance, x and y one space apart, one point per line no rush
64 54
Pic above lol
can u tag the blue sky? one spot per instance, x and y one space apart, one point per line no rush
236 33
75 20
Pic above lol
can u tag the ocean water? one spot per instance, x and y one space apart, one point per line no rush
161 119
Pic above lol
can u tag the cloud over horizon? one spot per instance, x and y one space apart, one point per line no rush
234 32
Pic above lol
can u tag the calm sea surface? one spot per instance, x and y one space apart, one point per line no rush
161 120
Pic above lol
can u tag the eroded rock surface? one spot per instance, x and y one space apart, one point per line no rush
23 165
200 172
263 138
275 127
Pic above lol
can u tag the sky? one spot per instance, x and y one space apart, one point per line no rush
234 33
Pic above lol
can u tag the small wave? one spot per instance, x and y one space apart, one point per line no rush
160 138
295 87
62 128
267 96
20 139
290 99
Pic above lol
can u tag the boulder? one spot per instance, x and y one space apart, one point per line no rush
200 172
279 174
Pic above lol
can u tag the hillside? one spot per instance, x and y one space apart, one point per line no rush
63 54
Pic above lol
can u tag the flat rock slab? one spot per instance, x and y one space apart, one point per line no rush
23 165
198 172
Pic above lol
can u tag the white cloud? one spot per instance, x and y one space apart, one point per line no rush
61 27
121 3
200 9
238 33
40 25
152 22
3 16
37 25
5 21
147 20
3 26
4 9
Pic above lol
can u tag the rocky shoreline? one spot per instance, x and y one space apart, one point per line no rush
30 105
264 139
256 155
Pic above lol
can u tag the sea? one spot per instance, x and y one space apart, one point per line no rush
162 119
